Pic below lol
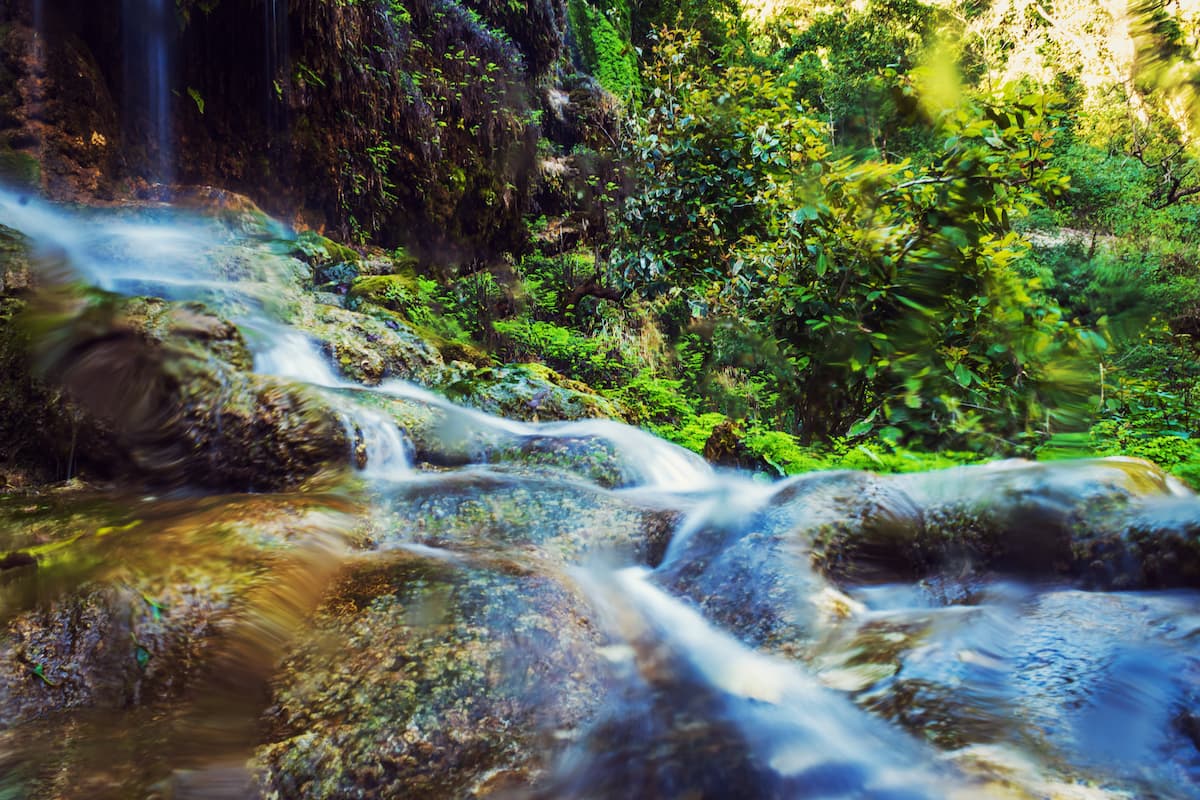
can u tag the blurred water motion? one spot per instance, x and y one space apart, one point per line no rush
466 605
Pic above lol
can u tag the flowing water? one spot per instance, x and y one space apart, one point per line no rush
275 61
497 627
149 29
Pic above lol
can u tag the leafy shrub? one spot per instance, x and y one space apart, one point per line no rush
585 358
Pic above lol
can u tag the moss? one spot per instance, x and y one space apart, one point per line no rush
369 348
524 391
421 678
566 519
603 51
453 350
19 169
320 250
394 292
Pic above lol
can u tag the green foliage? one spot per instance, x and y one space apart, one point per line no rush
657 403
603 50
848 65
878 294
547 278
197 98
586 358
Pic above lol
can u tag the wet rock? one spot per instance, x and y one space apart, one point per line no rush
445 435
158 392
369 350
1112 522
35 423
497 511
1153 546
427 677
125 598
696 714
1039 689
152 624
1025 518
858 527
530 392
758 560
15 273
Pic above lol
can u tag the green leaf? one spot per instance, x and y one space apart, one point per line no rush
962 375
859 428
196 98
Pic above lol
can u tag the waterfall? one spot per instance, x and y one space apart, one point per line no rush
39 22
275 60
148 29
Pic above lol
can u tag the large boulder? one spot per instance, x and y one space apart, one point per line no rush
160 393
434 677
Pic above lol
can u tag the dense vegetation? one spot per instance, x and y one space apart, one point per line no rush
885 228
828 234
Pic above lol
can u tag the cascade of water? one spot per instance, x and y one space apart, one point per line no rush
1102 677
149 27
648 462
38 58
39 31
118 255
763 718
290 354
381 448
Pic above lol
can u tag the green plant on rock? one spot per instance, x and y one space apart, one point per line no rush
603 50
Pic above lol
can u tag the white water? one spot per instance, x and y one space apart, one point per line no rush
175 258
785 716
107 253
649 462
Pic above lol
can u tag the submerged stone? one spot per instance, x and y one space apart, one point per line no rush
426 676
170 613
496 511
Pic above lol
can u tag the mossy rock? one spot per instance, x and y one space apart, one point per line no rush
452 350
523 391
140 618
428 678
160 393
319 250
36 423
393 292
19 169
368 349
501 509
16 272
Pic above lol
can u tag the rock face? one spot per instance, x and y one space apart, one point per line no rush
406 122
59 127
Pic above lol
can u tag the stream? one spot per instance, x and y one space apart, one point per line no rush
474 606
